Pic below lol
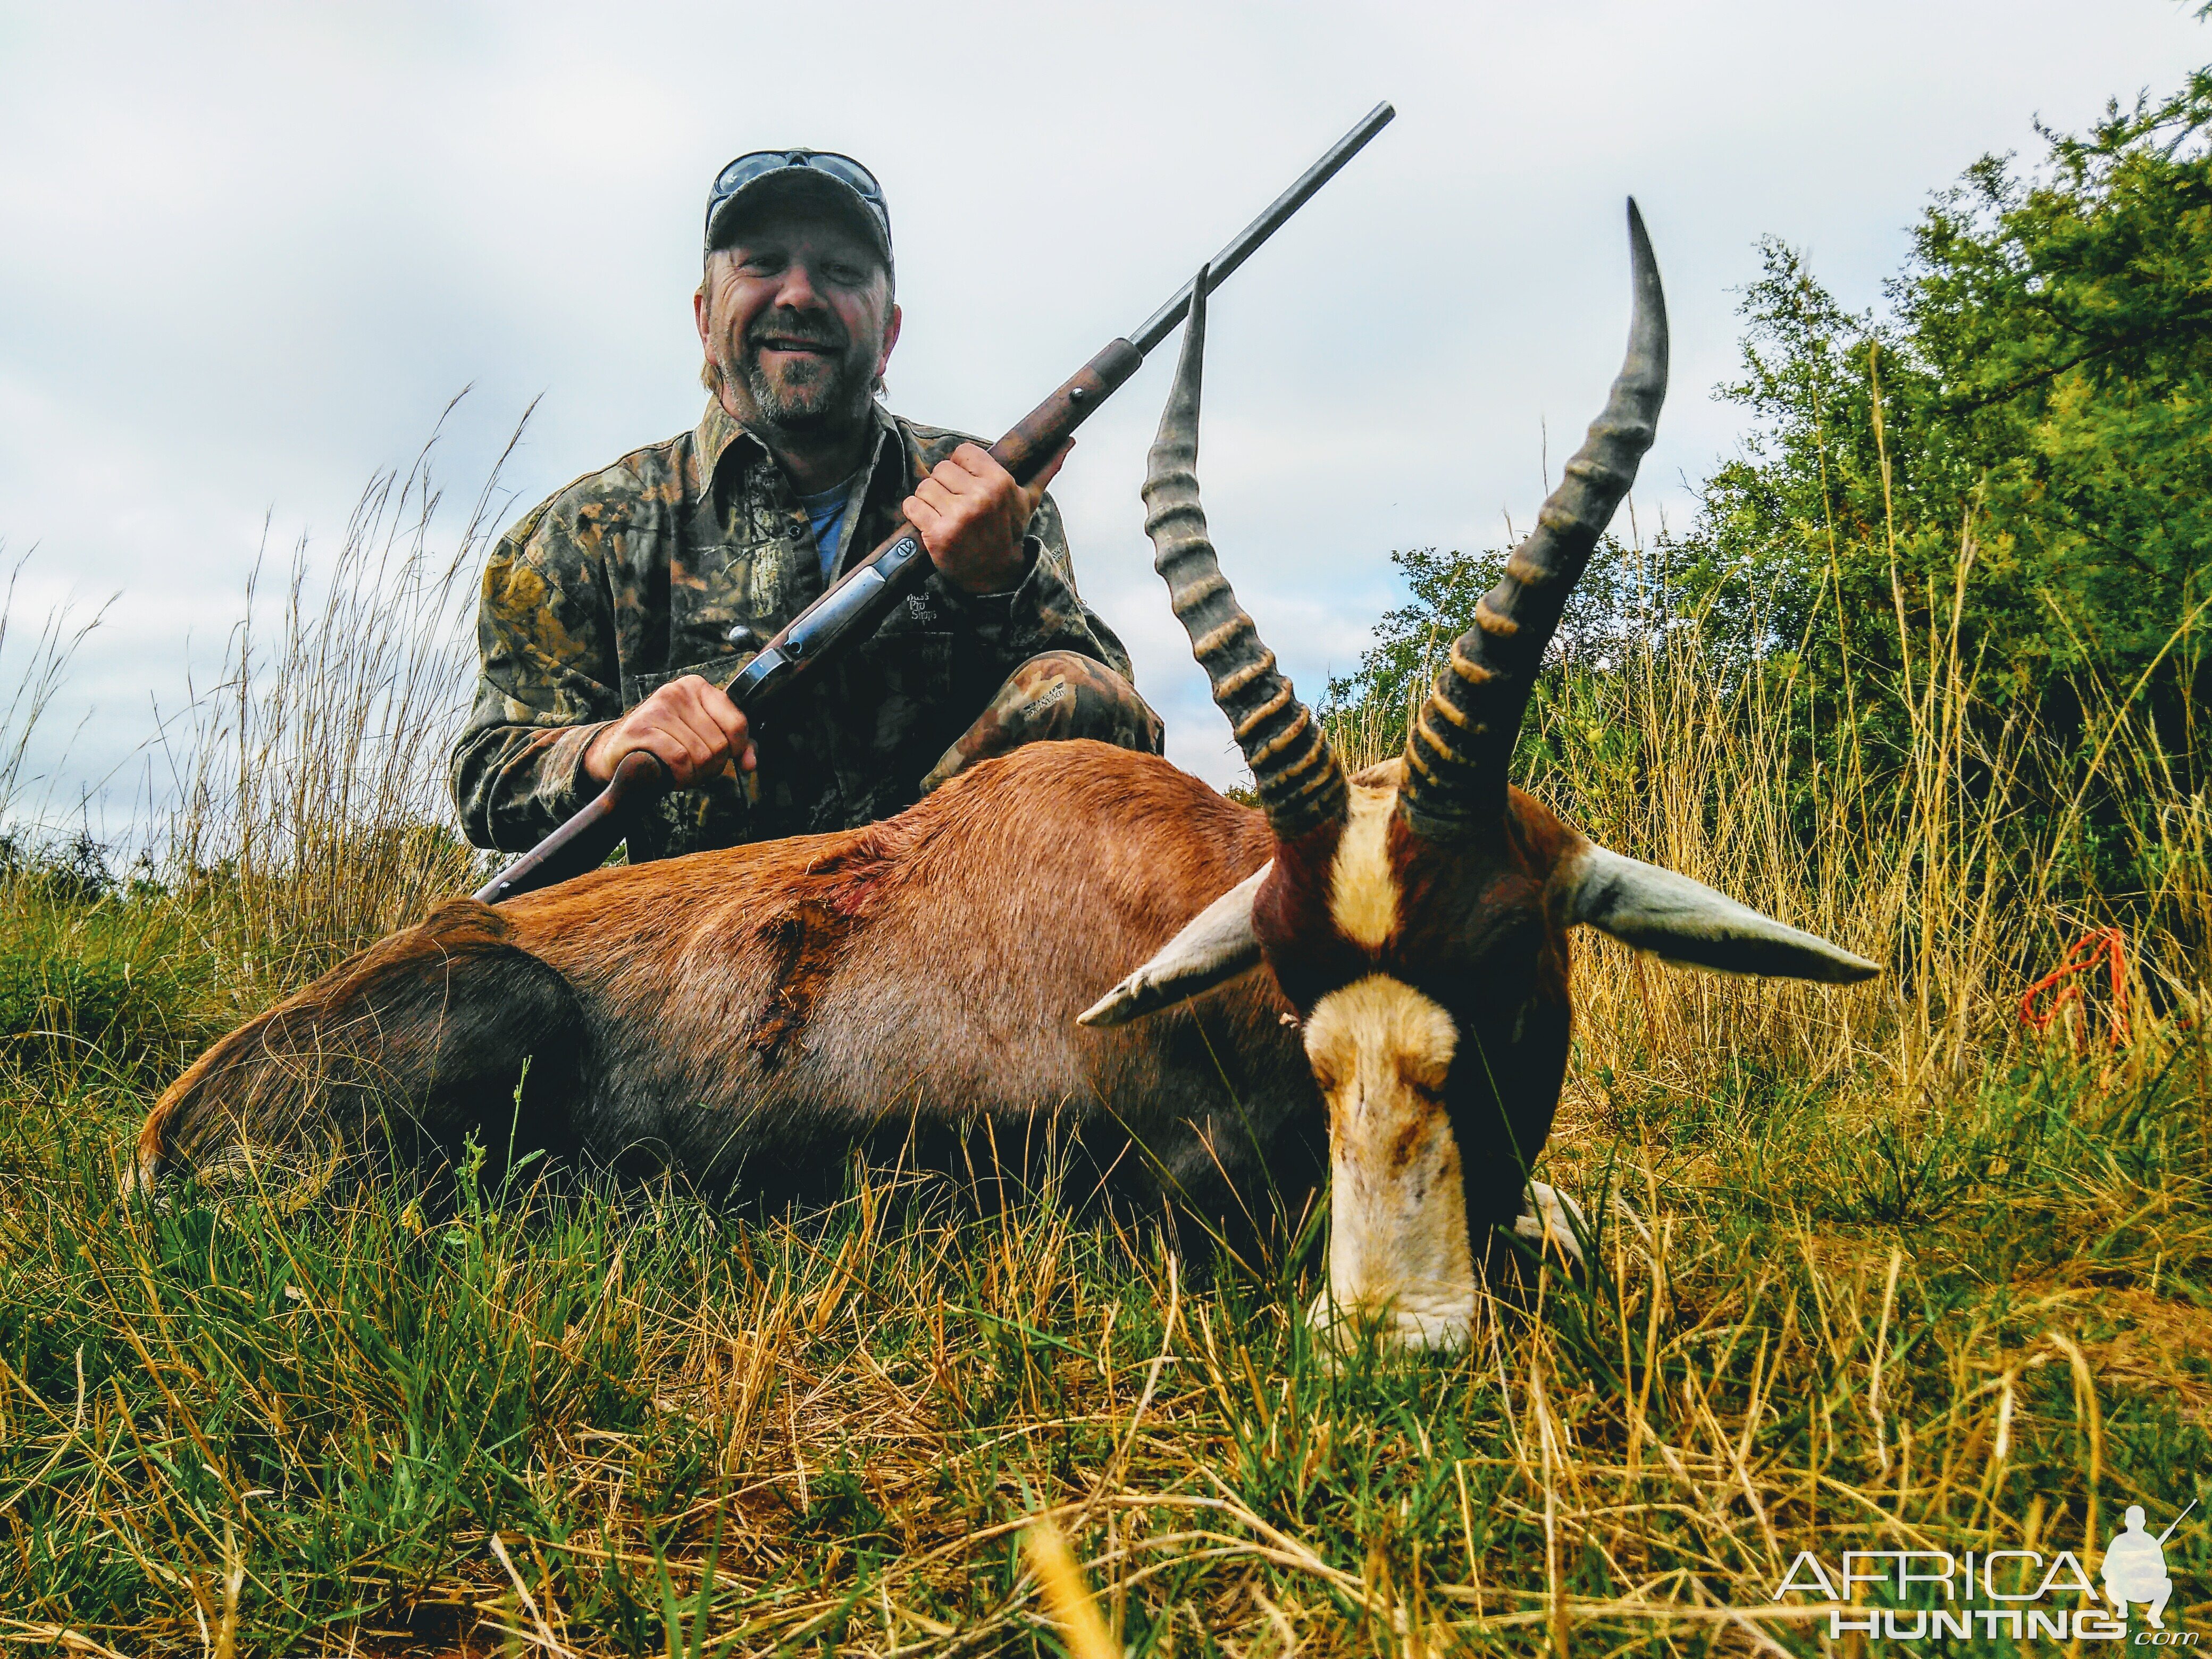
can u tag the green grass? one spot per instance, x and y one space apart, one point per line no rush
232 1430
120 990
1898 1275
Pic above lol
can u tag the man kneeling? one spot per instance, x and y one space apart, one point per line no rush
2135 1570
613 613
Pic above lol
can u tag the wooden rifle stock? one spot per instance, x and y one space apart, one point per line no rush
857 605
851 610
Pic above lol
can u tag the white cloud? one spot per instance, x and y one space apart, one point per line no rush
252 251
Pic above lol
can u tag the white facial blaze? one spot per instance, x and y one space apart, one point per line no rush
1362 889
1398 1244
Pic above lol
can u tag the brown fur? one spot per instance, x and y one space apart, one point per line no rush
740 1014
288 1094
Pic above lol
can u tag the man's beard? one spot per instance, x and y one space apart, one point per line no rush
809 395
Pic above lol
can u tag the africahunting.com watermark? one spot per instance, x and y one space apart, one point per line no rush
2020 1594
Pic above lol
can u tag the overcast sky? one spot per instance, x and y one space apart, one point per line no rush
247 254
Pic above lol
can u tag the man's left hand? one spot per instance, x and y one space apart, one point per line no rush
972 516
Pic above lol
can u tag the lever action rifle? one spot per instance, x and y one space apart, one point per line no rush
857 605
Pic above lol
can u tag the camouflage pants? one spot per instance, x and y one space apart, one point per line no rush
1051 697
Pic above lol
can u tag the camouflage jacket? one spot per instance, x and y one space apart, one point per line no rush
684 558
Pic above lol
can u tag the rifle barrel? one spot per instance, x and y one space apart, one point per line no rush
1161 322
868 592
2177 1520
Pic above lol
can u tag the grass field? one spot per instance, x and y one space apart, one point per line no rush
1885 1270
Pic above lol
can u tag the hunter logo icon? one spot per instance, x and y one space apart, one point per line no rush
2134 1568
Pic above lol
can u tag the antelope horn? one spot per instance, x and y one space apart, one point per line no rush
1300 782
1457 752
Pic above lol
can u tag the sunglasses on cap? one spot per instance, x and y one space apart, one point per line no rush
751 169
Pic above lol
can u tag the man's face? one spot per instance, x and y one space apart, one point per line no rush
796 316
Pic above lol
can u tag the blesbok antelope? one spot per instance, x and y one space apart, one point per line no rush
745 1014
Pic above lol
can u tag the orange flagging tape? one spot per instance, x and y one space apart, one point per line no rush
2100 947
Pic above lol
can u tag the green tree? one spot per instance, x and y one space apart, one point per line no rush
2033 405
2036 399
1618 600
1986 506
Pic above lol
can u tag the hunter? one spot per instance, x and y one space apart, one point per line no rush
613 613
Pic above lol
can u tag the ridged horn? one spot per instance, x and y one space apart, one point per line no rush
1301 783
1457 752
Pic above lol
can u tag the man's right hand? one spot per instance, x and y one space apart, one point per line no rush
689 726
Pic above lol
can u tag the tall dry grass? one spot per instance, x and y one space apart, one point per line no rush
308 810
1951 863
1896 1275
34 670
313 812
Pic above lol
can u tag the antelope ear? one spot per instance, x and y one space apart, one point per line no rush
1218 944
1686 921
